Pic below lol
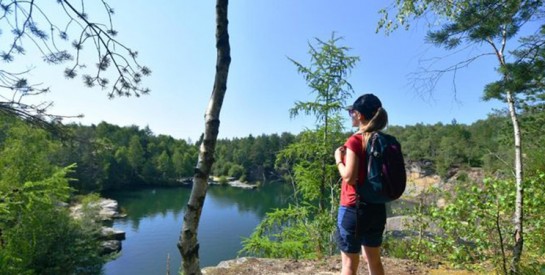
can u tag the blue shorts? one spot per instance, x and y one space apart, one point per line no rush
360 226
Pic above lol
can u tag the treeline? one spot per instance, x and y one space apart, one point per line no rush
112 157
486 143
250 158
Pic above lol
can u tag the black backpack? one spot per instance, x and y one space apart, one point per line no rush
386 177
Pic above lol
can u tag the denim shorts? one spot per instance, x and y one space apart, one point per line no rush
359 226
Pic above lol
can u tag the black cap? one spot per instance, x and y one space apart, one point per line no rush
367 105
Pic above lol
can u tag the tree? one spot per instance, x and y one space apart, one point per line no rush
492 23
306 229
37 234
26 155
326 76
188 244
32 24
135 155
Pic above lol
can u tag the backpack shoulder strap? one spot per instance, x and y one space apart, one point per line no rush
373 138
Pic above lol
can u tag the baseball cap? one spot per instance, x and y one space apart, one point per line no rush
366 104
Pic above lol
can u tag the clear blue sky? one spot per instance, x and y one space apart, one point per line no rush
176 40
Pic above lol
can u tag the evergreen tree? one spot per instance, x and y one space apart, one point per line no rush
308 161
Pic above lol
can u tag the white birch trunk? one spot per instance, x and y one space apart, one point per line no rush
518 219
188 242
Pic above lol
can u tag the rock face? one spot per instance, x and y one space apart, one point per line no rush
422 168
420 177
108 209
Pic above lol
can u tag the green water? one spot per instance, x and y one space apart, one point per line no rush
154 220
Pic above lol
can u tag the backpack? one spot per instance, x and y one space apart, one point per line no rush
386 177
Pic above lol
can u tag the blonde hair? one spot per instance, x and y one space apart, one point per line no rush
377 122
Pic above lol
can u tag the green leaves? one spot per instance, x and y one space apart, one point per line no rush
326 76
282 233
38 234
304 229
474 226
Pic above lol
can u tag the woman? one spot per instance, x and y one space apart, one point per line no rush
360 225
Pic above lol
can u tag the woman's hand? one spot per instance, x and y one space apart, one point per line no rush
339 154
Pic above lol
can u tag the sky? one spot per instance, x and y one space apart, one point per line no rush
176 39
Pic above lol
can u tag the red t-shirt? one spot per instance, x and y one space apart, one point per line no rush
348 192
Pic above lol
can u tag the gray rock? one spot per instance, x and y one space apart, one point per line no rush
108 209
109 233
111 246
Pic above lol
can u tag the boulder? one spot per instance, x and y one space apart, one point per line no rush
109 233
111 246
108 209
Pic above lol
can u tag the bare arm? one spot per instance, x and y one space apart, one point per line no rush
349 169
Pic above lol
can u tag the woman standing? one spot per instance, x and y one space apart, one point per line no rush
360 225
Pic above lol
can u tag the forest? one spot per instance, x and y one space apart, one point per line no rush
46 166
108 157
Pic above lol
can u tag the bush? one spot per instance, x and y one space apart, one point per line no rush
40 237
476 225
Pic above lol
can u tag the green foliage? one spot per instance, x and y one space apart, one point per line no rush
135 154
236 171
40 237
112 157
327 74
26 154
284 233
255 155
525 75
102 151
305 229
37 234
473 230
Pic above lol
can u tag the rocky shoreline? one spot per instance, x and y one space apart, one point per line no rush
230 181
108 210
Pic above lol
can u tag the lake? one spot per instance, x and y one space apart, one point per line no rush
154 221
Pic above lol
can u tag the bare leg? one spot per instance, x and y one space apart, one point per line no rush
372 256
350 262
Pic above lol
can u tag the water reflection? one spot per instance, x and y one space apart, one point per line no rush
154 220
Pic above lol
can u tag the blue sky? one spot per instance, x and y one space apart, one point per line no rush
176 40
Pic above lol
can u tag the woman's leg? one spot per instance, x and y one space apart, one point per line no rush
372 256
350 262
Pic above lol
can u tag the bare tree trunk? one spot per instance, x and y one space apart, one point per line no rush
517 249
188 244
518 218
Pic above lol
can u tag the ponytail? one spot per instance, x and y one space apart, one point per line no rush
378 122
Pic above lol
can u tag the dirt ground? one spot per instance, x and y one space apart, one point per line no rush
331 265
